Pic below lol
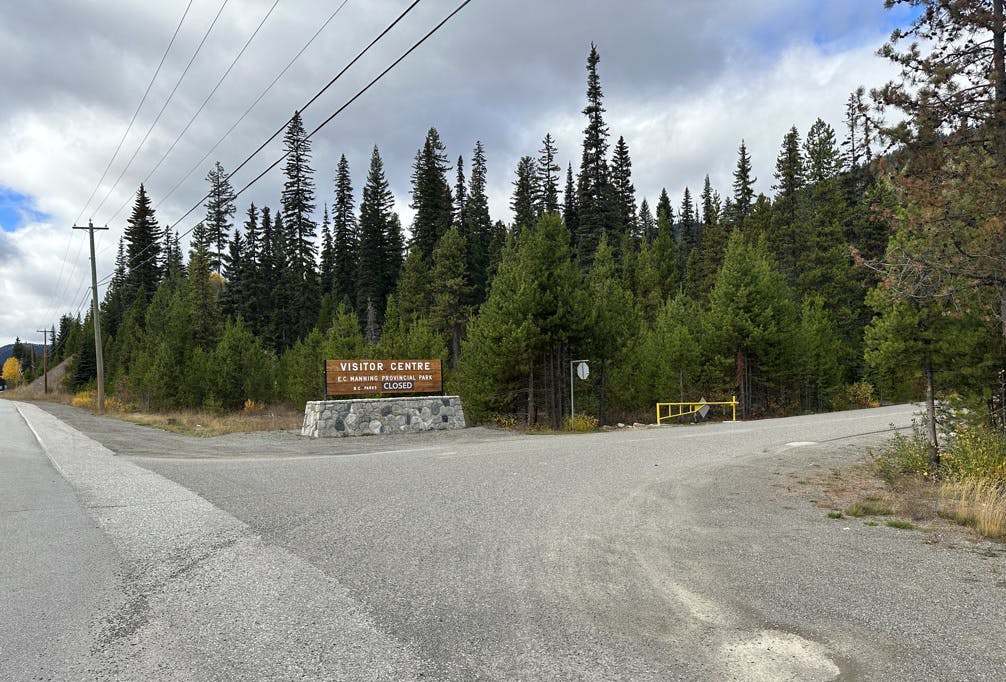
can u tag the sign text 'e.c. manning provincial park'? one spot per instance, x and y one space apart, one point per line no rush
366 377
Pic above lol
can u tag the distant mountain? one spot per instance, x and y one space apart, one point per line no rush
5 351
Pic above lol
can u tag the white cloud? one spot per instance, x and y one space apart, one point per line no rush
506 73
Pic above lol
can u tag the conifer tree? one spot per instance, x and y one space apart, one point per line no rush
594 193
646 222
449 291
478 227
219 211
345 237
789 166
548 177
710 203
326 269
143 249
431 195
624 193
377 252
300 229
524 201
824 160
569 213
235 288
666 252
743 187
460 195
413 293
688 223
790 173
613 319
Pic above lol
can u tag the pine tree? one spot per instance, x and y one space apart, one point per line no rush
613 319
688 220
789 166
569 212
143 249
326 270
624 193
300 228
646 222
790 173
743 187
449 291
824 160
377 252
460 195
524 201
431 195
478 227
235 289
711 211
594 193
345 237
548 177
219 210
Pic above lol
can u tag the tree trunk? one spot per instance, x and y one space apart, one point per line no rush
934 452
532 413
999 76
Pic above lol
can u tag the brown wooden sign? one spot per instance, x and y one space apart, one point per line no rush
367 377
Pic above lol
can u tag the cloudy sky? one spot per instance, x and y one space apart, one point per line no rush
684 82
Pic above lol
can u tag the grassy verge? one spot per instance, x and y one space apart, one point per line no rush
969 487
255 416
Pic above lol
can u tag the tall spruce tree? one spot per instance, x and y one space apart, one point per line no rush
460 194
143 249
219 211
431 195
624 194
743 187
594 194
647 223
345 238
300 228
784 239
569 212
548 176
326 269
478 226
376 252
524 201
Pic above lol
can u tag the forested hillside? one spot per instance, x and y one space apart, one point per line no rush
793 302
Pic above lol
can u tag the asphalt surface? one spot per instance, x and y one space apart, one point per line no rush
649 554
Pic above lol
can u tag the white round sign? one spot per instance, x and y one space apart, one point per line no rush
583 371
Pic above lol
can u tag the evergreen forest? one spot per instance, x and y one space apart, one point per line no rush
873 271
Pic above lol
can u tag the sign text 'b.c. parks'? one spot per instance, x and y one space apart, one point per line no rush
365 377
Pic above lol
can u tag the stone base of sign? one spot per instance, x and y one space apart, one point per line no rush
335 418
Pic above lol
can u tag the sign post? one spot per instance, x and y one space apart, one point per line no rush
582 368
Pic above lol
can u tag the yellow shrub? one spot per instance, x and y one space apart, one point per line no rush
253 407
85 399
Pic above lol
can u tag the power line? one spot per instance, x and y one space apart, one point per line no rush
202 106
139 106
353 98
118 148
252 105
309 102
165 106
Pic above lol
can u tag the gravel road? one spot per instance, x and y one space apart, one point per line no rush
645 554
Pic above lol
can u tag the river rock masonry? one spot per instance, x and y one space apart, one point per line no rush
335 418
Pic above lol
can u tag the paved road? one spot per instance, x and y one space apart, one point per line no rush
650 554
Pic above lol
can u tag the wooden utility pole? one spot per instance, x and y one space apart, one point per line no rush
97 319
45 358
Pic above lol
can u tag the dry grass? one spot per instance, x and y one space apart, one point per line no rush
31 392
255 416
212 424
979 504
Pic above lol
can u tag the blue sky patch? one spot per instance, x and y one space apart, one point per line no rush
16 210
